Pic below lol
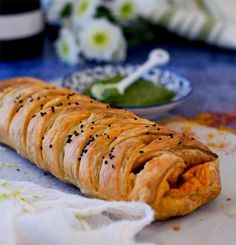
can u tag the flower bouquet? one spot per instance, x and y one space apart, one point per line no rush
98 30
102 30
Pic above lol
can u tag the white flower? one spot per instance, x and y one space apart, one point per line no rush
67 47
55 9
124 9
148 9
103 41
83 11
145 8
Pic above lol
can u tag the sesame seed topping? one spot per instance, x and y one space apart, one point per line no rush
141 152
50 146
76 103
33 116
106 162
154 125
68 140
113 166
171 136
158 129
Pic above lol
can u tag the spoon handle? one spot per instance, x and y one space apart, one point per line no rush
157 57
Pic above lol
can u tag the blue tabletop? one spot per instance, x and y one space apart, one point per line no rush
212 72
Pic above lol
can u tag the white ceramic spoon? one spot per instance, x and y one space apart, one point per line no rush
156 57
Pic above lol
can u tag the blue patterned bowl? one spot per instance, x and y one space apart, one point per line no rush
78 81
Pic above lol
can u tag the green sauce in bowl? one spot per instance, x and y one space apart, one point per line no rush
140 93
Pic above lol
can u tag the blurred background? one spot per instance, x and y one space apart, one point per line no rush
49 39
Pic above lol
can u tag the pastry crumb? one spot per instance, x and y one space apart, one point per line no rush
228 199
176 228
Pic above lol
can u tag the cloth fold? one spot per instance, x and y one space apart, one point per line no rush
211 21
31 214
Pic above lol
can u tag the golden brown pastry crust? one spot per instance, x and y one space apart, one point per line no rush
108 153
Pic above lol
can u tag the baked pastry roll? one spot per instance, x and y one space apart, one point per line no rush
108 153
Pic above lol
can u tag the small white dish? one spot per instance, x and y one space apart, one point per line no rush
79 81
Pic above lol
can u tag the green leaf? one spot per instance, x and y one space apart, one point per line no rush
103 12
66 11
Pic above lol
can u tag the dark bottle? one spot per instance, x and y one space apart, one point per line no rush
21 29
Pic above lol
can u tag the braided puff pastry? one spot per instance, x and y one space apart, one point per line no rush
108 153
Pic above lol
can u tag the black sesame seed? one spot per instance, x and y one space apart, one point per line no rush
154 125
92 127
18 169
108 106
146 126
113 166
171 136
53 109
92 122
38 98
193 138
108 136
158 129
69 141
50 146
109 125
179 143
20 101
106 162
43 138
160 138
33 116
147 133
141 152
79 158
41 148
81 126
91 101
69 103
82 131
76 103
85 150
135 118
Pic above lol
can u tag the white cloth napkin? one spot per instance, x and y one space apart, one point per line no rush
31 214
211 21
